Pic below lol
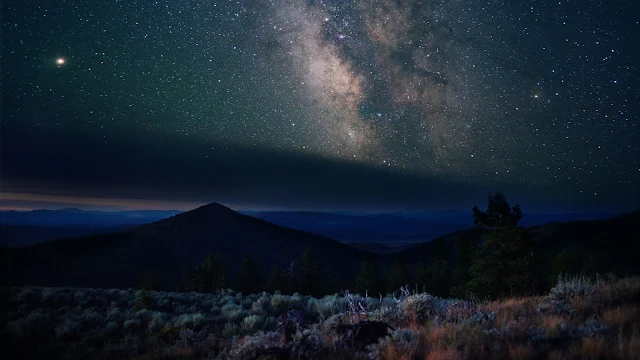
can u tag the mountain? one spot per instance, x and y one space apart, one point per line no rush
74 217
167 248
594 246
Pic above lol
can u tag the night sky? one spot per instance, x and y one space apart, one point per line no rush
369 105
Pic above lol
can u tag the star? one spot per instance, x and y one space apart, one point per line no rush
60 61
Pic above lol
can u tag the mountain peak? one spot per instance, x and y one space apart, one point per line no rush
214 206
210 210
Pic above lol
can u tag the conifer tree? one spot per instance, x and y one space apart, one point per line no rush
399 275
275 280
310 277
249 276
422 278
207 277
503 263
219 278
466 249
367 279
438 277
563 263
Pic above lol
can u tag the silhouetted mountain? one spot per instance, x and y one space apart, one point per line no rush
73 217
24 235
595 246
167 248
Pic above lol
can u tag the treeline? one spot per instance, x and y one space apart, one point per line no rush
303 275
497 259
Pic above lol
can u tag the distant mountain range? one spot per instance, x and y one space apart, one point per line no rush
167 248
382 233
22 228
24 235
75 217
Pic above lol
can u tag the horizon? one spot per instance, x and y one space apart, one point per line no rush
22 203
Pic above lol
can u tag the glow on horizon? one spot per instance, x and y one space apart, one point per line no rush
21 201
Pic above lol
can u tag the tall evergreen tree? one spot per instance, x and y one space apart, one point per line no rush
219 277
310 277
367 279
150 281
466 249
503 263
399 275
438 277
249 279
422 278
207 277
276 280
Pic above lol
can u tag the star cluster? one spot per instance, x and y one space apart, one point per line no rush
539 94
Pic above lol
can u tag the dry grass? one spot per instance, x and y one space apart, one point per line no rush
591 348
627 288
438 336
443 354
556 355
628 347
391 352
511 309
521 352
620 317
551 322
605 325
583 304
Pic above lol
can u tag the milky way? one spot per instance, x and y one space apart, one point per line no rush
536 94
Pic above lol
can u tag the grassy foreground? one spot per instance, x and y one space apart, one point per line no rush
579 319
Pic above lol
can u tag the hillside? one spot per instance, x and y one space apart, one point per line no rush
167 248
593 246
579 318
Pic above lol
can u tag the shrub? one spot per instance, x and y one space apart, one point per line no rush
252 322
233 312
569 287
169 334
283 303
325 307
112 327
193 321
67 328
114 314
143 300
157 321
132 324
28 296
34 324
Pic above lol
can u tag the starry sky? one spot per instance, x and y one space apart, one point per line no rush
374 105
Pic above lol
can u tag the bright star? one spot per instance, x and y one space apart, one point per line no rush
60 61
